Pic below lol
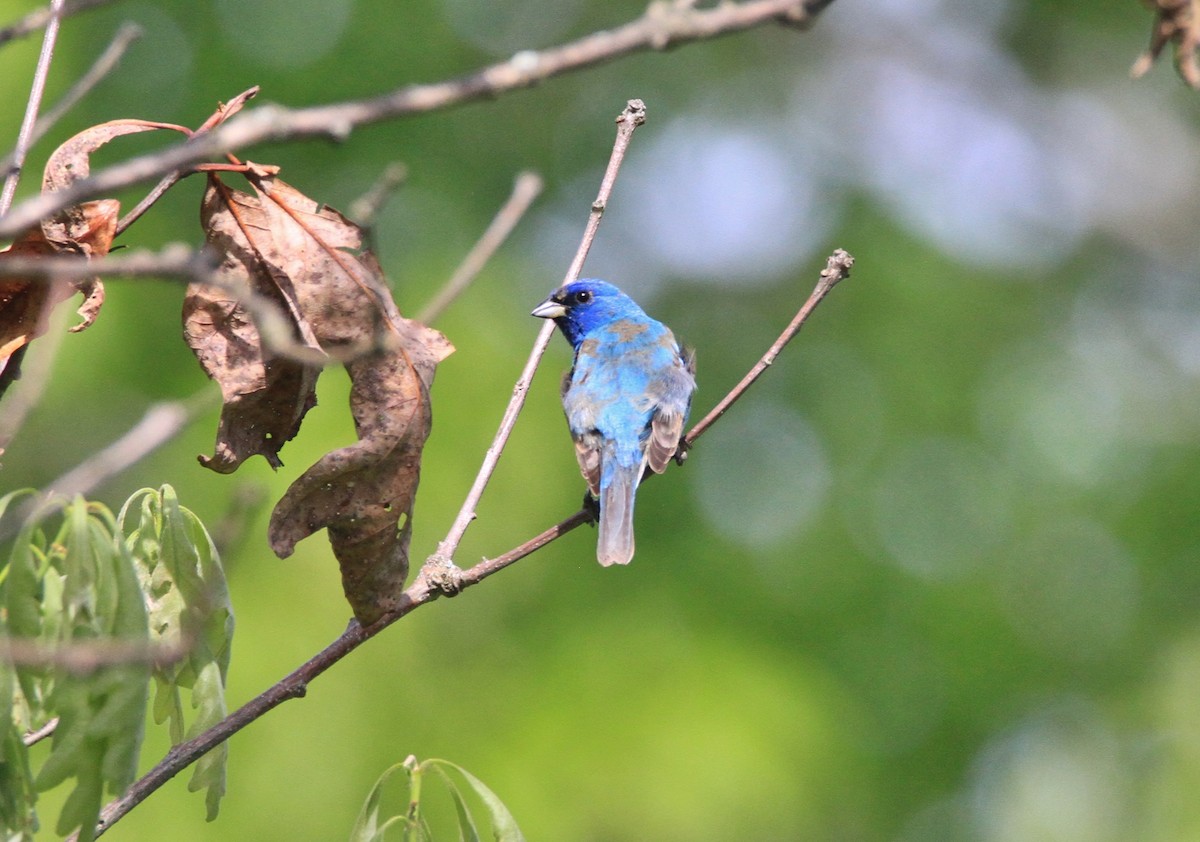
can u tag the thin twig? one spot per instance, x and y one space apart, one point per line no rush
426 587
836 269
525 189
663 26
442 561
223 113
366 207
161 422
37 89
295 684
179 261
83 657
35 737
40 18
105 64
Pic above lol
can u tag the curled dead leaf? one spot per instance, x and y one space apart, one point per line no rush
361 492
310 262
1175 22
266 394
26 303
85 229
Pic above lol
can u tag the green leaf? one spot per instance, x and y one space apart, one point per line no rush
467 830
82 806
90 594
18 820
208 697
504 826
366 827
188 606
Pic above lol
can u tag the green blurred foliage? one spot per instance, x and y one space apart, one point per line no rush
935 577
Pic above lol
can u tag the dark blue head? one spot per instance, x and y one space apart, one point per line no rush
583 305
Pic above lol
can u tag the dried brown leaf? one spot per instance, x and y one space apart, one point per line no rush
72 160
265 394
1178 22
311 261
26 303
361 491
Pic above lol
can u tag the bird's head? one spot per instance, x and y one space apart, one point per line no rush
583 305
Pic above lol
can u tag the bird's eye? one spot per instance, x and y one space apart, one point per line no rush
583 297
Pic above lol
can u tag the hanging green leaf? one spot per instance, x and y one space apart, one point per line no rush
76 609
369 828
96 615
504 826
189 612
366 827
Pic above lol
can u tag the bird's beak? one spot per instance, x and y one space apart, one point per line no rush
549 309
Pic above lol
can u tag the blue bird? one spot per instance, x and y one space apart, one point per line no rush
626 398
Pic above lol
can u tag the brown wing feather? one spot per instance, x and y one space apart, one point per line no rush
589 465
665 430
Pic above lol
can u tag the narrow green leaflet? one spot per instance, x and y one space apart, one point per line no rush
96 614
17 797
368 827
504 826
467 831
189 612
75 593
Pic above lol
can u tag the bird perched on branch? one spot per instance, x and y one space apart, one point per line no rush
626 399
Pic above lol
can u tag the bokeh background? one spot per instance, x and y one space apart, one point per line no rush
936 578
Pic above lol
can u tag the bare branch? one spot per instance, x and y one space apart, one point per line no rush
108 60
664 25
836 269
224 112
105 64
429 584
160 424
442 561
34 737
40 18
179 261
25 134
525 189
82 657
366 207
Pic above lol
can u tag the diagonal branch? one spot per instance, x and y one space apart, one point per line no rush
40 18
664 25
526 188
108 60
424 589
25 133
440 566
837 268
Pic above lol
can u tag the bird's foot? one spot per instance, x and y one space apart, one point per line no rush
681 452
591 505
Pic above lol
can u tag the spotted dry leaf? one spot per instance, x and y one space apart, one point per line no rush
265 393
1175 22
309 262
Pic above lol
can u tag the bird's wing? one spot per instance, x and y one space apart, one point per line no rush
588 454
674 401
666 427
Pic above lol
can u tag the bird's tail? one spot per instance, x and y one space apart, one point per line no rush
614 544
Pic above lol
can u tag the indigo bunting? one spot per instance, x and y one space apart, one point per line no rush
626 398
